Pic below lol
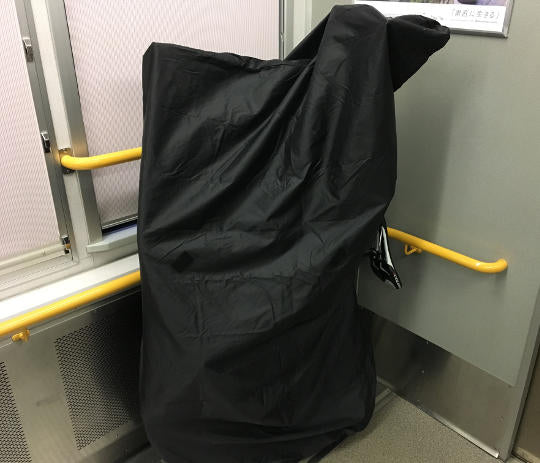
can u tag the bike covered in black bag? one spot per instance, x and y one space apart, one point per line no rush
263 184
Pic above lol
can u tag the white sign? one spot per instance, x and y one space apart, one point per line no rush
483 16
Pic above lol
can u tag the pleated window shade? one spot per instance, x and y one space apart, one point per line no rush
27 216
108 40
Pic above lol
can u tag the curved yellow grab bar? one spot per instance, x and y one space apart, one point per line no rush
19 325
485 267
101 160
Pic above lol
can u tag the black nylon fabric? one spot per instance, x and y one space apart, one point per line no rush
262 185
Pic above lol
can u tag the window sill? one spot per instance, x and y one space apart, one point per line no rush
47 294
115 239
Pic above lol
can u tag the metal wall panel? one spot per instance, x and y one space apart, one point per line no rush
468 179
108 40
28 218
74 386
13 446
99 371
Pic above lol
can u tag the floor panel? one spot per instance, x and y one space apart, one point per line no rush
398 433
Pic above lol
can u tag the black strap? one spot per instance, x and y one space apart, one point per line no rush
381 260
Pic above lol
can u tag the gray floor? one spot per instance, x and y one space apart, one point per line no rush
401 433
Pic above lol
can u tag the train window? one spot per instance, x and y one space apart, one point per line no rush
107 42
32 225
92 54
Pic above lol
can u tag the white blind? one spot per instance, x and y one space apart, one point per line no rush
27 216
108 40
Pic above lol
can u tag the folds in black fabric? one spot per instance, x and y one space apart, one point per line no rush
262 185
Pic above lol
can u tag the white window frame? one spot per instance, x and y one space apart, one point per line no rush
20 270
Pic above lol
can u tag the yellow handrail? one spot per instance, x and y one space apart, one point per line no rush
101 160
484 267
19 325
